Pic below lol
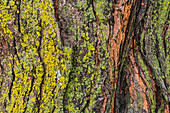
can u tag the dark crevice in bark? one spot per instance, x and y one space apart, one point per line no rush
17 22
13 79
159 56
44 72
53 108
158 98
40 54
19 9
27 93
120 100
121 91
59 22
56 8
128 33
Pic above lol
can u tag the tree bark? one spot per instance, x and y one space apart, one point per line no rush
138 86
95 57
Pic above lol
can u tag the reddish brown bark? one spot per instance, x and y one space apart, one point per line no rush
116 38
124 49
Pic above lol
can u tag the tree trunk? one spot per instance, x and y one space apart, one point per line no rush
138 53
84 56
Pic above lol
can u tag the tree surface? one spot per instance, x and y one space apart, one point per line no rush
73 56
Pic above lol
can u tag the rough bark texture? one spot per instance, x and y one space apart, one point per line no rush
138 86
112 59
